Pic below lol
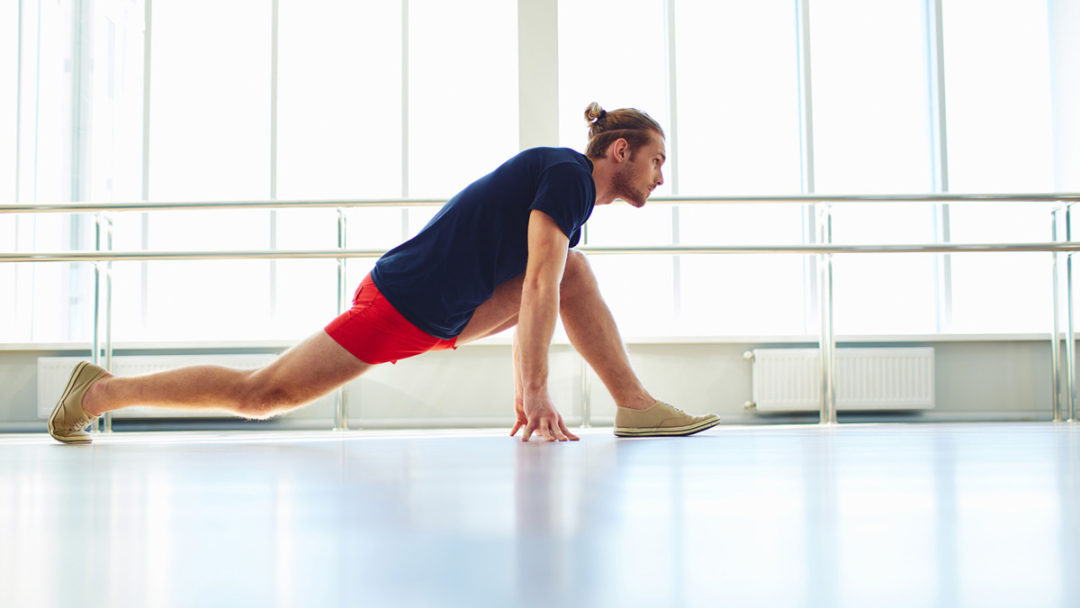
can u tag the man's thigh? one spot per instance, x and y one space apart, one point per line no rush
498 313
312 368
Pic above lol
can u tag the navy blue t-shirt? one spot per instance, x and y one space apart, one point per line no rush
479 239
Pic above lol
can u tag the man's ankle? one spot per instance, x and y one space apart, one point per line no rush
642 402
93 399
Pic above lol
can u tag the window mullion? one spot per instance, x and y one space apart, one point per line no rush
806 139
538 73
405 115
273 151
672 146
935 75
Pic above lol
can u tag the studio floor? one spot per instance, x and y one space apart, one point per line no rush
851 515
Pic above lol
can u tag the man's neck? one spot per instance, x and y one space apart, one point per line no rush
602 174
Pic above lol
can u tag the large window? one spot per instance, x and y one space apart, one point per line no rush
48 300
339 112
871 134
9 90
209 140
326 109
738 133
1000 140
998 86
9 101
210 101
870 97
738 119
332 99
112 102
462 92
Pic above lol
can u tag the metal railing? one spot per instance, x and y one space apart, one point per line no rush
1064 396
680 200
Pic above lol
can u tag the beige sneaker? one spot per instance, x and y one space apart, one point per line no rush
660 420
68 418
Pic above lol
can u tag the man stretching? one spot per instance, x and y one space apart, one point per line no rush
497 255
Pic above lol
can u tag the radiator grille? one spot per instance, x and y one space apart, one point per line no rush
866 379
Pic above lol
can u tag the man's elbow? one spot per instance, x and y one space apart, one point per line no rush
539 286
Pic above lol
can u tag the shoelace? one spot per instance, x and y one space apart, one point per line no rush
676 409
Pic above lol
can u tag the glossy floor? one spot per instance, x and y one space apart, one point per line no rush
854 515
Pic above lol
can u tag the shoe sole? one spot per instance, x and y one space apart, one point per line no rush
59 404
675 431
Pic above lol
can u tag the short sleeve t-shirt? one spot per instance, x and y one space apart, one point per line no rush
479 239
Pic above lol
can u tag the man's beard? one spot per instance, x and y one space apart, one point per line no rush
625 190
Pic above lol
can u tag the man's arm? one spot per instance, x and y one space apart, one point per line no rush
536 323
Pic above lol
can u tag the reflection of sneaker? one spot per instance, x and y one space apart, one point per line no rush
68 418
660 420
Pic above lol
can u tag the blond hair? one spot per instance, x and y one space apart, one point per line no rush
627 123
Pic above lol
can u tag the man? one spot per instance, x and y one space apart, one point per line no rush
497 255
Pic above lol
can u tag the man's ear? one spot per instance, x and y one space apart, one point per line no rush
620 150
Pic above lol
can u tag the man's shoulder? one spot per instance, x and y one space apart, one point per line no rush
546 157
550 151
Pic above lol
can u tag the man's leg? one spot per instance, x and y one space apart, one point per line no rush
592 330
301 374
588 322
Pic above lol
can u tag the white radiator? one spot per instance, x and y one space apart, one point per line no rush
53 373
786 380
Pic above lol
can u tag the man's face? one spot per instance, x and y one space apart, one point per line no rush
638 176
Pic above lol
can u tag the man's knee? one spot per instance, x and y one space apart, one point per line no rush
576 274
577 267
260 397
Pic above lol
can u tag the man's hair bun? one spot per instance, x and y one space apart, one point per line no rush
594 113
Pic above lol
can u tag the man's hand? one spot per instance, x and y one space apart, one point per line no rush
538 415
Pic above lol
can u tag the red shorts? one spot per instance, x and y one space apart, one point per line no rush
375 332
